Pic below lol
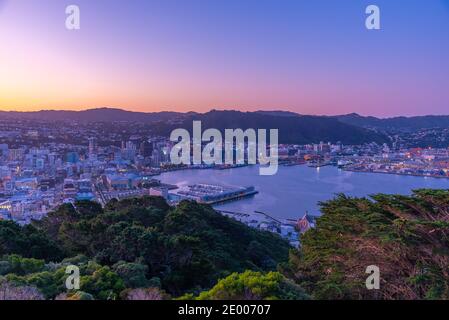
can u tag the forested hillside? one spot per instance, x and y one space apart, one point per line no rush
133 244
405 236
143 249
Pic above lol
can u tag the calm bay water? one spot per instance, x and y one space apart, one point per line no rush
295 190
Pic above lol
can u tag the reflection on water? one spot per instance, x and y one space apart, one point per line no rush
295 190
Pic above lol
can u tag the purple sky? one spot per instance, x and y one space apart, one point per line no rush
311 57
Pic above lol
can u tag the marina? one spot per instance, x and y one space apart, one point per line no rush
295 190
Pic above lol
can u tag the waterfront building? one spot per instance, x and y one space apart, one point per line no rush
208 193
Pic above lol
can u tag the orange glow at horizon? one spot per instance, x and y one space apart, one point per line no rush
157 56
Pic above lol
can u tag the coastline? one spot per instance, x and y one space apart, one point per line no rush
398 173
295 190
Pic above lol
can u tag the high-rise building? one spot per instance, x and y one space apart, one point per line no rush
146 149
16 154
92 145
72 157
156 158
3 149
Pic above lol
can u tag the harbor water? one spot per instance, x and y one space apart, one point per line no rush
298 189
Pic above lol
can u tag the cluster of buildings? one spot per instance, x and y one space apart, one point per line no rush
36 179
427 162
415 162
289 229
43 165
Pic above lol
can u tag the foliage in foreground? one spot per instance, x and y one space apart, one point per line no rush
407 237
134 244
252 285
140 249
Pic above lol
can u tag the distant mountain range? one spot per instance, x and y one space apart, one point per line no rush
294 128
92 115
396 123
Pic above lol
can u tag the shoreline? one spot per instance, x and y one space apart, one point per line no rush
298 189
398 174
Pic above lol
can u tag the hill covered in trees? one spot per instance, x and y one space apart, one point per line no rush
143 249
136 243
293 128
396 123
407 237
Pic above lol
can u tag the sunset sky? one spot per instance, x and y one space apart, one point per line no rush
311 57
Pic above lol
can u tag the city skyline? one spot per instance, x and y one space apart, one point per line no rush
309 58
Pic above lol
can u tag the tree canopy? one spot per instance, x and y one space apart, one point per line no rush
135 243
405 236
143 249
252 285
